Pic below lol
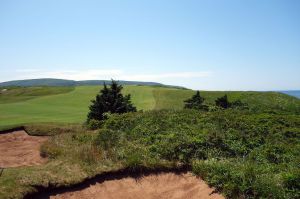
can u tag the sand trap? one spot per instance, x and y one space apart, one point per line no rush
164 185
20 149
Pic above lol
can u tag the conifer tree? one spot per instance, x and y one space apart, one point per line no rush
110 100
223 102
196 102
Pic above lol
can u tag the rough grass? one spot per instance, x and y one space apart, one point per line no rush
72 106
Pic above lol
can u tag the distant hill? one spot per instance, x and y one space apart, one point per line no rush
39 82
64 82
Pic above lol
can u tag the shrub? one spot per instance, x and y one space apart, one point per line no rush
244 154
94 124
107 138
239 179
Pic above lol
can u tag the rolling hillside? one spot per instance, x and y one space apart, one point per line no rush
70 104
65 82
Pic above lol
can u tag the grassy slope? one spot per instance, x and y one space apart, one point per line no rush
72 106
267 101
69 107
18 94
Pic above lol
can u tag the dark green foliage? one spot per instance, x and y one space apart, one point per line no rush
107 139
238 104
242 179
196 102
291 182
223 102
110 100
94 124
242 154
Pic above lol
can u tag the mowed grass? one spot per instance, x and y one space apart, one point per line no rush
21 106
70 107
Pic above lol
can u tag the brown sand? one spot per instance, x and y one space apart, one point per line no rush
163 185
20 149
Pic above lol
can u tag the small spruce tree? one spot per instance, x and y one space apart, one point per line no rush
223 102
196 102
110 100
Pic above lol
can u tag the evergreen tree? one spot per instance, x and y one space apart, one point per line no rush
196 102
223 102
110 100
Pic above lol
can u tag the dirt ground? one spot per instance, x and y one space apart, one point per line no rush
163 186
20 149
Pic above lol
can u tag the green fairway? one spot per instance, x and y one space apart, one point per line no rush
70 105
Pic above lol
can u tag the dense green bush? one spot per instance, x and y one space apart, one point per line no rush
242 179
94 124
243 154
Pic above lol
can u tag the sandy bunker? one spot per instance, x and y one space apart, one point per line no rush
20 149
163 185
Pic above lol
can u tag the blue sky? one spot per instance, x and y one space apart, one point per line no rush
206 45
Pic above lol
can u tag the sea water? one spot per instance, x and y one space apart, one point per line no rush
292 93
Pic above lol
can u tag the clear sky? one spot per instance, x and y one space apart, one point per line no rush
206 45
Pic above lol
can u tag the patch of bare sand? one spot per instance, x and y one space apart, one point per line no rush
20 149
163 185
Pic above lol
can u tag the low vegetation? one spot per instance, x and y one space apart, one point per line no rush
242 154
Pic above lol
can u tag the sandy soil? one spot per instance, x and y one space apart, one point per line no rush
164 185
19 149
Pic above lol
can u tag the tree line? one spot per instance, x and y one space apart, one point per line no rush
110 100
